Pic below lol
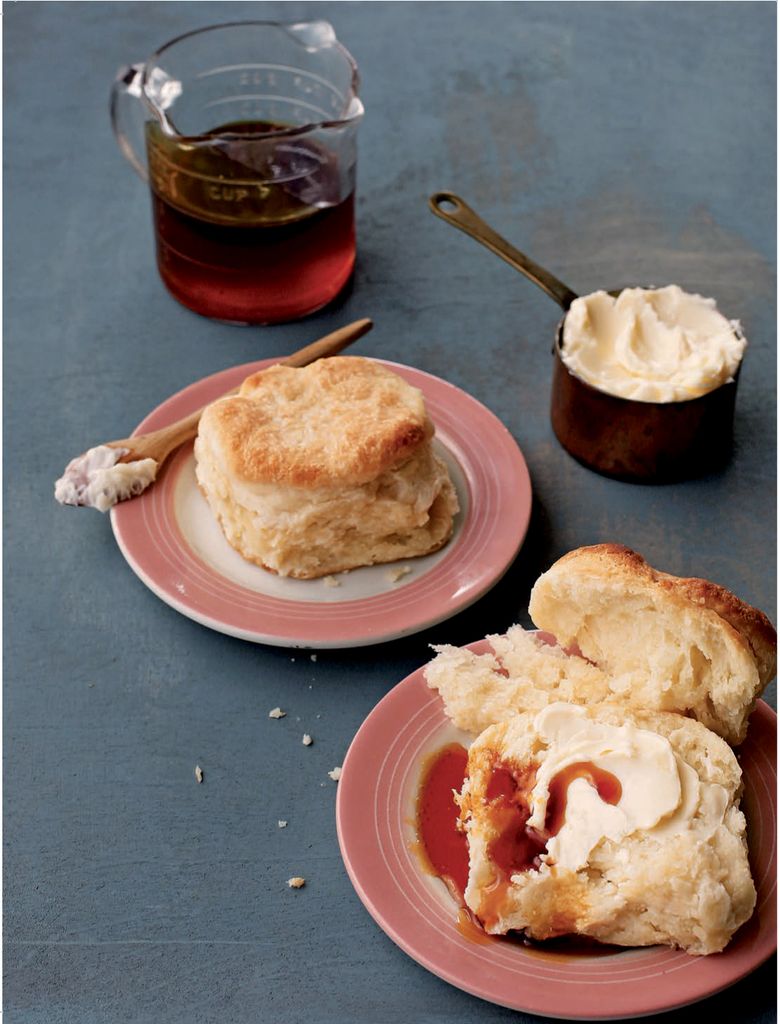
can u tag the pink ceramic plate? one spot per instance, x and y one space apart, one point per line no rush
375 817
173 543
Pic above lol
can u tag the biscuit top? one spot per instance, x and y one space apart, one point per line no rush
338 422
617 562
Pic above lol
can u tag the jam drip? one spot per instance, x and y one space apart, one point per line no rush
516 847
443 844
605 783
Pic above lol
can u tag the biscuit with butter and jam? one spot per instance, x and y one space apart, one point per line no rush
617 824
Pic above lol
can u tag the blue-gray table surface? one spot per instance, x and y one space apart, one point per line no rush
616 143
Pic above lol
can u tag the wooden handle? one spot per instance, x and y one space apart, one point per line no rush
330 345
160 443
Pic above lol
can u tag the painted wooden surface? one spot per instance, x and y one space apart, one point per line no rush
616 144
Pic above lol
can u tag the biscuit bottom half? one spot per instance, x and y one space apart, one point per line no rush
405 512
621 826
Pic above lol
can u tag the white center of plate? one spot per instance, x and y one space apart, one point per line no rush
203 534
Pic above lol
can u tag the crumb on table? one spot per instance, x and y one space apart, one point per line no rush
281 824
335 773
296 882
307 740
198 773
277 713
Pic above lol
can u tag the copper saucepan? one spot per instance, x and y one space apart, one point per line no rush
651 442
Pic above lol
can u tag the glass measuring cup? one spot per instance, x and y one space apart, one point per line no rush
250 133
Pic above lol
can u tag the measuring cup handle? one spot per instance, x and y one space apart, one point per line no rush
455 211
126 93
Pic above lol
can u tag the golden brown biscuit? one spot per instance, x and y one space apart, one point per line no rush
318 470
615 824
673 644
335 423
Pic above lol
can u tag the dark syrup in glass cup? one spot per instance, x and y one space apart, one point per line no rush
236 250
254 216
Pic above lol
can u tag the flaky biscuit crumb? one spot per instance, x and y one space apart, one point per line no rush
297 882
307 740
198 773
277 713
331 581
398 573
335 773
281 824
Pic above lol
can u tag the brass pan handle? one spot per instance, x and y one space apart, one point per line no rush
455 211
